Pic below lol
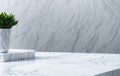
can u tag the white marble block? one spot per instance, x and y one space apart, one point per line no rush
16 55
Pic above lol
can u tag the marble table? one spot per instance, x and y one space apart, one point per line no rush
64 64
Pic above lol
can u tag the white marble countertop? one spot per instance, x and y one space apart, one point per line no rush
62 64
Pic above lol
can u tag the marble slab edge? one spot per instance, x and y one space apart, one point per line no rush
110 73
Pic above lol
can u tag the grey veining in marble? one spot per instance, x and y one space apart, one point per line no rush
4 40
17 55
66 25
64 64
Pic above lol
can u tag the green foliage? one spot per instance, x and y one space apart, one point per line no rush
7 21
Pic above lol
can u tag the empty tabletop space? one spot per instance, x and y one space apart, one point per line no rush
64 64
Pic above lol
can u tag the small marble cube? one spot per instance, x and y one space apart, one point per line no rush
17 55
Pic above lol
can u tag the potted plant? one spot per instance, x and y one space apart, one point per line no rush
7 21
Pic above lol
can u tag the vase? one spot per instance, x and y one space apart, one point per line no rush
4 40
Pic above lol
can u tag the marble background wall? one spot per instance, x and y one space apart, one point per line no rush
65 25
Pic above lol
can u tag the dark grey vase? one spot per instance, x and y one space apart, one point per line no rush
4 40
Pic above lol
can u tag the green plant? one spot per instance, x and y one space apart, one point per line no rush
7 21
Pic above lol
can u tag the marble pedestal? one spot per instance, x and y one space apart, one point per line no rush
16 55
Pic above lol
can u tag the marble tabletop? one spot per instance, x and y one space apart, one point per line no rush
64 64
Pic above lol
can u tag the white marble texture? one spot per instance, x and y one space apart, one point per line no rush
4 40
66 25
64 64
17 55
